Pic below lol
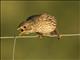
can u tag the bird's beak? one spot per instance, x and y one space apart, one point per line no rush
21 33
18 29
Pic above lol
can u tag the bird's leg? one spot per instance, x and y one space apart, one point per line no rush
57 33
40 35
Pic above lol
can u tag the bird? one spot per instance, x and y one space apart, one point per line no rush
42 24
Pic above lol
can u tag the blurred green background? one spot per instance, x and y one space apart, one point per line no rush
68 18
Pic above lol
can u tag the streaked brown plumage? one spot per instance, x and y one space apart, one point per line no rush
42 24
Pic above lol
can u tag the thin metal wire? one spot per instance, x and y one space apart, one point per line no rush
14 45
62 35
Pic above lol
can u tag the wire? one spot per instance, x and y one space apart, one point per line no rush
14 45
62 35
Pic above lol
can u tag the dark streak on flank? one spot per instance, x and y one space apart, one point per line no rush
32 17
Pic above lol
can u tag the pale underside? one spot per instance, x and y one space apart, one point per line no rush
45 27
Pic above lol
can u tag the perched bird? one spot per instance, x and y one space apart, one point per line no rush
42 24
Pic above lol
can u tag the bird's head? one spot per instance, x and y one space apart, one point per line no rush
24 28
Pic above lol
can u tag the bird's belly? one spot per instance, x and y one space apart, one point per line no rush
46 28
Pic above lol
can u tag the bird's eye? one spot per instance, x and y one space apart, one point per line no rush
22 30
24 26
